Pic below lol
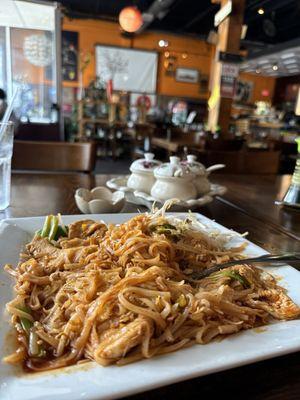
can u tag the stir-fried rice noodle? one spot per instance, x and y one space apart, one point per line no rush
119 293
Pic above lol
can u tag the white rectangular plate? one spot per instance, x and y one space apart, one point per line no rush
92 381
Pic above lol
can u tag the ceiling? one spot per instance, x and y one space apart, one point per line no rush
268 34
282 62
279 23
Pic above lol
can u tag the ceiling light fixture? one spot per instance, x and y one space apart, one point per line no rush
163 43
261 62
130 19
294 65
38 50
275 67
184 55
261 11
287 55
257 70
290 61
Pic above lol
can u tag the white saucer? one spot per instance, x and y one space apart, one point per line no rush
141 198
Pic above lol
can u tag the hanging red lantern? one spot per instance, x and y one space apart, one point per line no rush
130 19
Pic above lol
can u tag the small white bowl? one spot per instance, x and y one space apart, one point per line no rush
99 200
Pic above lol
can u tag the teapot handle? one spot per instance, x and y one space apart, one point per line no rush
214 167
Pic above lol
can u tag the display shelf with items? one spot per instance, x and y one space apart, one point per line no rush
99 106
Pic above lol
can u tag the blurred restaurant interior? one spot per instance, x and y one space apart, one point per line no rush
163 75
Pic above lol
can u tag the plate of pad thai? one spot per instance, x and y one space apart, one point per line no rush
114 302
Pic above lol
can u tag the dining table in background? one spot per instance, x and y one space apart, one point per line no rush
247 206
176 145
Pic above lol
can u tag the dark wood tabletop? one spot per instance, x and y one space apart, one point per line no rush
256 195
248 206
172 146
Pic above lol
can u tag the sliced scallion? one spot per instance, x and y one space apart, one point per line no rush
60 233
63 227
47 226
53 227
33 343
238 277
26 324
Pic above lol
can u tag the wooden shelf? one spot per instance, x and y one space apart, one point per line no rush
270 125
83 101
95 120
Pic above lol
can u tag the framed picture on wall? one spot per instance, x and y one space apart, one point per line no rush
129 69
187 75
69 56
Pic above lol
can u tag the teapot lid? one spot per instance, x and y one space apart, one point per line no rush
146 164
174 168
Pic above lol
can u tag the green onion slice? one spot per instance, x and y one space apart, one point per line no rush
238 277
25 322
53 227
47 226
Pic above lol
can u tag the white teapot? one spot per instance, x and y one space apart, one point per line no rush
201 182
173 180
142 178
201 173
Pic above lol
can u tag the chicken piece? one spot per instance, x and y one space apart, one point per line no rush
85 228
41 246
117 342
43 250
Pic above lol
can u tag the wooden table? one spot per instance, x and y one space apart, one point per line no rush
174 145
247 206
255 195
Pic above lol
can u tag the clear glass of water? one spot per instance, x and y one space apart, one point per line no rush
6 150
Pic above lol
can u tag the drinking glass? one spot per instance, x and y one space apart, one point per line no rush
6 149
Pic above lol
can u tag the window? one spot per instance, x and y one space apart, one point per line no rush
28 49
33 65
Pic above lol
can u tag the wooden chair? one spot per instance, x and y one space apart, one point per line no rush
38 132
54 156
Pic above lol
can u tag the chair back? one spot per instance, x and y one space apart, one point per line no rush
54 156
